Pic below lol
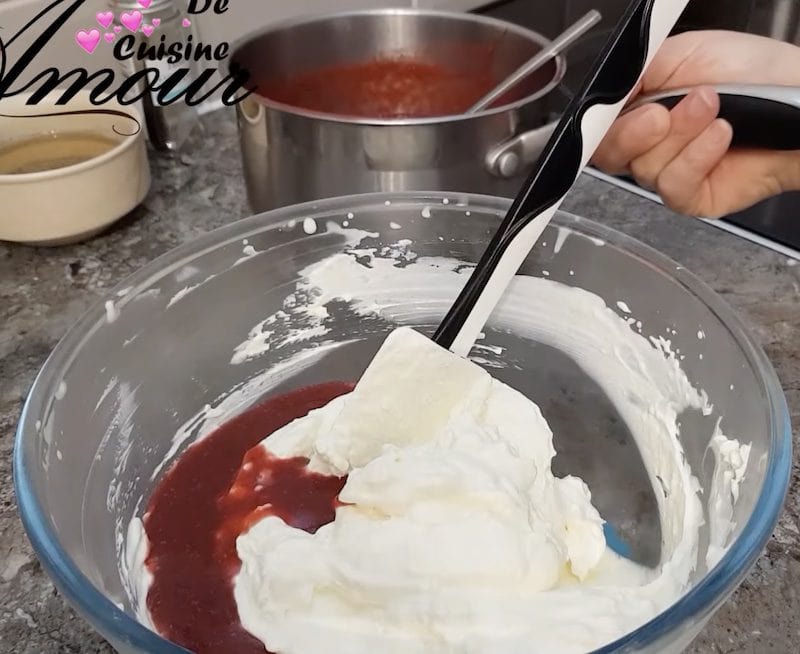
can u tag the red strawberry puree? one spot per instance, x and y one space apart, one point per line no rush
215 491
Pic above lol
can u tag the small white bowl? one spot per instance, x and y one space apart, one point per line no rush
95 168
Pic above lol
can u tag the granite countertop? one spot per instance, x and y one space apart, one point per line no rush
43 291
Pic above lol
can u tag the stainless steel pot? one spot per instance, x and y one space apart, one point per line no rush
292 155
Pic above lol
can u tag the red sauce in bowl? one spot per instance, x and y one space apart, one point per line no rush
217 489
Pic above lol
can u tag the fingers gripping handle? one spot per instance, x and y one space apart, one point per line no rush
637 37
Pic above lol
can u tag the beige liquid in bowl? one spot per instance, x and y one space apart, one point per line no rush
51 151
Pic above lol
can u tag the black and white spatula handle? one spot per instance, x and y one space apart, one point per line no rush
762 116
637 37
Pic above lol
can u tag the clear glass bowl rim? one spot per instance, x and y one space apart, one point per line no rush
696 604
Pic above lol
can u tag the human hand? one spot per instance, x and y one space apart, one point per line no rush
684 154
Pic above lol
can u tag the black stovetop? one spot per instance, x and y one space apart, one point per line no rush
777 219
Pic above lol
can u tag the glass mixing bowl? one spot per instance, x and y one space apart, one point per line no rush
101 416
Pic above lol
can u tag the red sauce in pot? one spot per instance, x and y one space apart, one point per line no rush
385 88
215 491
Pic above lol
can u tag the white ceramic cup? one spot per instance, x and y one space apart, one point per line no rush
73 202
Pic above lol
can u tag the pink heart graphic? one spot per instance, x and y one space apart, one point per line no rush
131 19
117 29
145 3
88 40
156 22
186 22
147 30
109 36
104 18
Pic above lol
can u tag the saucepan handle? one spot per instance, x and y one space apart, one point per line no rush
516 154
251 111
762 116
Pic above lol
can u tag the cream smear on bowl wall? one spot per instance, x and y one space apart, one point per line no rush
585 596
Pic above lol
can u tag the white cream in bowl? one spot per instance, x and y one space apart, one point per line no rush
456 536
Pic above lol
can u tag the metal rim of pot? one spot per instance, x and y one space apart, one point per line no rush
560 62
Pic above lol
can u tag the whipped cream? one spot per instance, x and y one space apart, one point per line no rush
454 525
358 593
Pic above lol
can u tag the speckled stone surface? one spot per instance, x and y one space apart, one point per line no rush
43 291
